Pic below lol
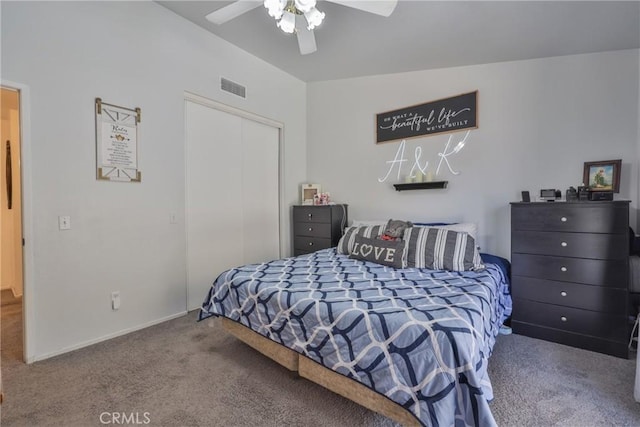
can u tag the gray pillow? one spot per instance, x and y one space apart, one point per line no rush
386 252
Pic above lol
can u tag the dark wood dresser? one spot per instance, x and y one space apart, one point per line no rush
317 227
570 273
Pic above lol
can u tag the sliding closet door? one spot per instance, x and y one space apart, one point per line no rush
232 198
213 195
260 214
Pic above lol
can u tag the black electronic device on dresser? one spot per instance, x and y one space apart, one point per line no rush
570 273
317 227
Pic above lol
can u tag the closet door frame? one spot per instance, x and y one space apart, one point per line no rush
191 97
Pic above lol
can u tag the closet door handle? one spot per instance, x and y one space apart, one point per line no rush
9 176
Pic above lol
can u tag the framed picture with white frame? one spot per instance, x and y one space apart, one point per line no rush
309 191
117 142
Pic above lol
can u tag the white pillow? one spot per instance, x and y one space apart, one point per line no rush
358 223
467 227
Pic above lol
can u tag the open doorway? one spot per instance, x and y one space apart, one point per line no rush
11 261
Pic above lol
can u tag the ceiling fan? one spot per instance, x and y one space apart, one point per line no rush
299 16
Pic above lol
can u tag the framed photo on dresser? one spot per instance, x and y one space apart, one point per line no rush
603 175
309 191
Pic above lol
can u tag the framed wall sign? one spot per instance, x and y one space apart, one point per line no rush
117 142
441 116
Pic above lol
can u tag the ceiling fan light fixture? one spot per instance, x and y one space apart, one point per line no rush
305 6
291 15
288 22
314 18
275 7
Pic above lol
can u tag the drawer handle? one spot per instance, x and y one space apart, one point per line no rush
310 229
563 244
563 219
564 319
563 269
563 294
310 215
310 243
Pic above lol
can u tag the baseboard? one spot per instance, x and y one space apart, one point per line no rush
105 338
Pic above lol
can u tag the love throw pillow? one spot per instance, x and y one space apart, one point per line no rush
385 252
348 239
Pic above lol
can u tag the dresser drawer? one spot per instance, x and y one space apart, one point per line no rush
577 245
311 244
613 273
577 217
587 297
312 214
607 326
614 348
312 229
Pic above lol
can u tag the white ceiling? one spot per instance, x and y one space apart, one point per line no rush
422 35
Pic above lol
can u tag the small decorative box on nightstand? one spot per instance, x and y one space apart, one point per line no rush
317 227
570 273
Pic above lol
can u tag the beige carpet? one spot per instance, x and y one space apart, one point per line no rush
183 373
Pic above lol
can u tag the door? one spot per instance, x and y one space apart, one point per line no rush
10 212
232 194
11 263
260 213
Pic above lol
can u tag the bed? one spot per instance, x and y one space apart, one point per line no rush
410 343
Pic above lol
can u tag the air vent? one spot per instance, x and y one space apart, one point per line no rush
232 87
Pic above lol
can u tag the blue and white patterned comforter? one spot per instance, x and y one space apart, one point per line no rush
420 337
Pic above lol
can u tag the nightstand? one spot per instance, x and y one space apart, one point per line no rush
317 227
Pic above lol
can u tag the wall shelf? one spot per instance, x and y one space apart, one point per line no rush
421 185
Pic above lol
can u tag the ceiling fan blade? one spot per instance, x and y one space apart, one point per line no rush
379 7
306 41
235 9
306 37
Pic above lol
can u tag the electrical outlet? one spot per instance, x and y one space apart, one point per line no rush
64 222
115 300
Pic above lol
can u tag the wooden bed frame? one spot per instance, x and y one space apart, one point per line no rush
313 371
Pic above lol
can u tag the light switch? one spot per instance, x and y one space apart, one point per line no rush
64 222
115 300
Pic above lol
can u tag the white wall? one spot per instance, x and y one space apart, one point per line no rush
539 121
134 54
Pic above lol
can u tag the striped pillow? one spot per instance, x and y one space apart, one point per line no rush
348 239
441 249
